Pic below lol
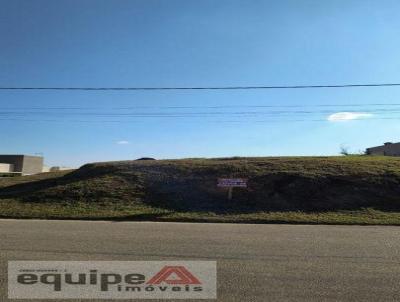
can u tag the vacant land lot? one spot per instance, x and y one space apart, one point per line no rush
330 190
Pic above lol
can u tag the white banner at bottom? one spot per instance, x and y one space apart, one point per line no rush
112 280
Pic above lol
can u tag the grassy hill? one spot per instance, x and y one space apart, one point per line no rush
354 189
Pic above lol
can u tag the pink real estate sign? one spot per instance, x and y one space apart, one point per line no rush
232 182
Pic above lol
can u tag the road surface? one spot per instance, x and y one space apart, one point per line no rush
255 262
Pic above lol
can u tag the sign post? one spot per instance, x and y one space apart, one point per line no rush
230 190
231 183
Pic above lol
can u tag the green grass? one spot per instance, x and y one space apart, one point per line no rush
315 190
17 210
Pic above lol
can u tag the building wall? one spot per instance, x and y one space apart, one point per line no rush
15 160
6 168
388 150
32 165
23 163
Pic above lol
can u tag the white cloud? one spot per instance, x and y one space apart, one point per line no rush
348 116
122 143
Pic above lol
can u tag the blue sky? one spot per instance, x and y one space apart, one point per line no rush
151 43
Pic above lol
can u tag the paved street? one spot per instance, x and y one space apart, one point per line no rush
255 262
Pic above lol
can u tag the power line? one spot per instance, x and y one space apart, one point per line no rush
282 113
209 121
204 107
203 88
189 114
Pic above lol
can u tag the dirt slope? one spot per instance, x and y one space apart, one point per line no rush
275 184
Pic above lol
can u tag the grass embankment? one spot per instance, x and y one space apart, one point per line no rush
329 190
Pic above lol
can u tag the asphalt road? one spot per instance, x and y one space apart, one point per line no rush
255 262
